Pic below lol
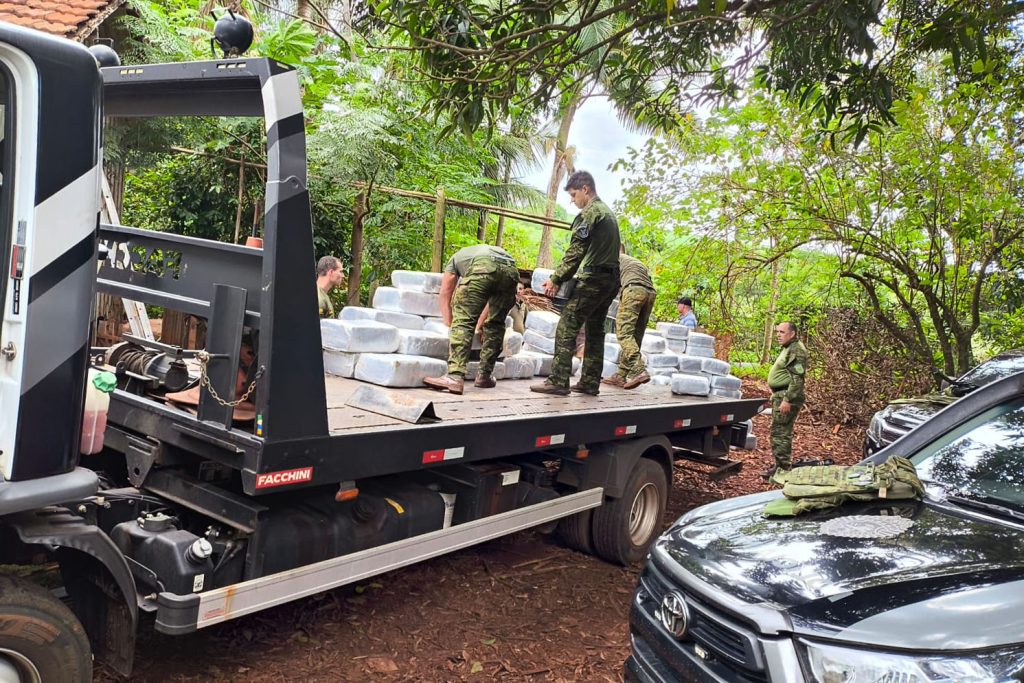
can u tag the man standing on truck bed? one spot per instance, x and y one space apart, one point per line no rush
636 301
594 251
786 380
487 277
330 272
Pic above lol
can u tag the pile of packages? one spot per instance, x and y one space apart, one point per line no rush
402 338
678 357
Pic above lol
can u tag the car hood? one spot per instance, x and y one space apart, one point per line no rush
961 570
910 412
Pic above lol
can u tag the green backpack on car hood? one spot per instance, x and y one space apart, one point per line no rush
823 487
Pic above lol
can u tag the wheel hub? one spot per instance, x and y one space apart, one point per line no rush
16 668
643 514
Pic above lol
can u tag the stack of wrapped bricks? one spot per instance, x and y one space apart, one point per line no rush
402 339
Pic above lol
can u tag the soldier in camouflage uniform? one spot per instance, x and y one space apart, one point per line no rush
636 301
786 380
487 277
593 253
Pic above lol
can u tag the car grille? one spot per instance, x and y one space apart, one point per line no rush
734 649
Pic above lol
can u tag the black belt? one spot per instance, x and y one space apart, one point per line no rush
600 269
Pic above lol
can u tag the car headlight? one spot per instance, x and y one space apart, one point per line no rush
875 427
830 664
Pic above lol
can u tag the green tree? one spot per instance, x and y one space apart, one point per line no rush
924 218
844 59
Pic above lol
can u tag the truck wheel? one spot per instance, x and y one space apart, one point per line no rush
40 639
574 531
625 527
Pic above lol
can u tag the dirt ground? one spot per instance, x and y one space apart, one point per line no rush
520 608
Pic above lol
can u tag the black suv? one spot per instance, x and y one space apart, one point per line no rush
901 591
900 416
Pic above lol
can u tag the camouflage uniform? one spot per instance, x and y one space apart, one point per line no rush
324 303
636 301
594 253
786 380
487 275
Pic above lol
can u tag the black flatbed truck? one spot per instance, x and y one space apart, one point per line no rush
199 518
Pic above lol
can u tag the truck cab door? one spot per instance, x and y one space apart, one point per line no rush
49 213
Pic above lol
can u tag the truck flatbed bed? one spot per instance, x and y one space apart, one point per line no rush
508 420
510 400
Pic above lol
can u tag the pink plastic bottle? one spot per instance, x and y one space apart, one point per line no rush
94 417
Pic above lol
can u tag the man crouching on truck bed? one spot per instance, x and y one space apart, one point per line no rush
486 277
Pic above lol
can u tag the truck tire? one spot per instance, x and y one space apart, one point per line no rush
625 527
40 638
574 531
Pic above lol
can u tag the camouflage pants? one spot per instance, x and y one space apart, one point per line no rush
635 306
496 289
782 431
587 307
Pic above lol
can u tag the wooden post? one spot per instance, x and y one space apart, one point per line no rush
241 192
500 234
438 254
356 267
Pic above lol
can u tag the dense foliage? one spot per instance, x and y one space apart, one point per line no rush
845 59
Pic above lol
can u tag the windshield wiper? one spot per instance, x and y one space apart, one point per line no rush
994 508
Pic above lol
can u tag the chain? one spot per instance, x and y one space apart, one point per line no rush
204 380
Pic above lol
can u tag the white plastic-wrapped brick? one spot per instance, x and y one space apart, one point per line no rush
417 281
435 325
473 366
727 393
538 342
751 442
663 360
542 367
519 367
609 369
700 339
423 343
403 321
673 331
726 382
676 346
543 323
359 336
653 343
667 372
611 338
690 365
542 274
407 301
513 343
713 366
611 352
699 351
340 363
690 385
397 369
661 380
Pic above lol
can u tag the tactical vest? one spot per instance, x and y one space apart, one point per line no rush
823 487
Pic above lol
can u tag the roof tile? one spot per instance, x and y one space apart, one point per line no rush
59 17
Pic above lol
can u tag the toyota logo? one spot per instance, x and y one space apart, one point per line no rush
674 615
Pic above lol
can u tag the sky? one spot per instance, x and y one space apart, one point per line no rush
600 141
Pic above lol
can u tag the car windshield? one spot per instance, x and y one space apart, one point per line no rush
991 370
982 459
